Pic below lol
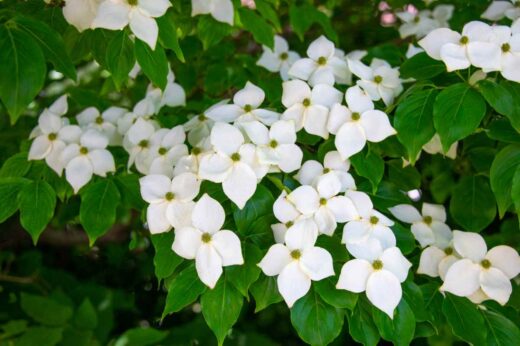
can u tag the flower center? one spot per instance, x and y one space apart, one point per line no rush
83 151
289 224
417 19
506 47
235 157
248 108
143 144
464 40
284 56
169 196
196 151
326 170
306 102
132 2
323 201
162 151
377 265
356 116
296 254
52 136
374 220
322 60
378 79
202 117
485 264
99 120
206 238
427 219
273 144
448 251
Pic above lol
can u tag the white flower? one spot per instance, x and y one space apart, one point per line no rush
230 163
171 200
297 263
312 171
87 158
358 123
309 109
379 80
245 108
321 66
221 10
106 123
368 227
139 14
199 127
412 51
500 9
416 24
286 212
204 241
80 13
172 96
191 162
508 42
378 272
276 146
429 226
437 258
166 148
278 59
137 144
434 146
489 271
143 109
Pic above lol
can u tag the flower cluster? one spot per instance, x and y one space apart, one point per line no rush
420 23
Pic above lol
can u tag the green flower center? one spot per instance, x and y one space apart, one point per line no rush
296 254
417 19
169 196
374 220
448 251
143 144
284 56
485 264
273 144
52 136
356 116
322 60
377 265
248 108
132 2
83 151
202 117
323 201
235 157
464 40
306 102
378 79
289 224
326 170
196 151
427 219
162 151
99 120
206 238
506 47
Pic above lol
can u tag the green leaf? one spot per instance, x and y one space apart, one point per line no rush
497 96
13 328
265 292
168 35
211 32
262 32
86 316
15 166
141 337
514 90
183 290
342 299
501 331
465 319
501 176
41 336
421 66
153 63
414 297
361 324
268 13
120 57
501 130
221 307
165 260
316 322
414 121
404 237
304 16
401 328
97 212
515 191
45 310
243 276
457 113
129 188
22 67
472 203
51 44
37 201
370 166
9 190
260 204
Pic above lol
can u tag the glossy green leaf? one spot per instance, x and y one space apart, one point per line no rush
501 331
261 30
260 204
85 316
168 35
265 292
497 96
211 32
16 166
501 176
465 319
183 290
421 66
514 90
153 63
327 290
401 329
9 190
243 276
120 57
165 261
361 324
370 166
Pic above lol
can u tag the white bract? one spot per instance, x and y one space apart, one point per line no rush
221 10
500 9
80 13
486 274
171 200
286 212
137 143
199 126
378 272
206 242
358 123
166 148
421 23
106 123
173 95
437 258
278 59
309 109
297 263
429 226
321 66
245 107
139 14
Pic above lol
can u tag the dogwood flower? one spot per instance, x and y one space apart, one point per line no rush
379 80
312 171
489 271
416 24
199 126
191 162
86 158
173 94
500 9
137 144
206 242
427 227
297 263
321 66
285 212
171 200
309 109
276 146
437 258
144 109
166 148
230 163
221 10
434 146
244 108
139 14
106 123
278 59
378 272
358 123
80 13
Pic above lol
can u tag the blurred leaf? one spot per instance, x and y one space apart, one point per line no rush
45 310
304 16
501 176
401 328
86 316
211 32
168 35
141 337
41 336
9 190
262 32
